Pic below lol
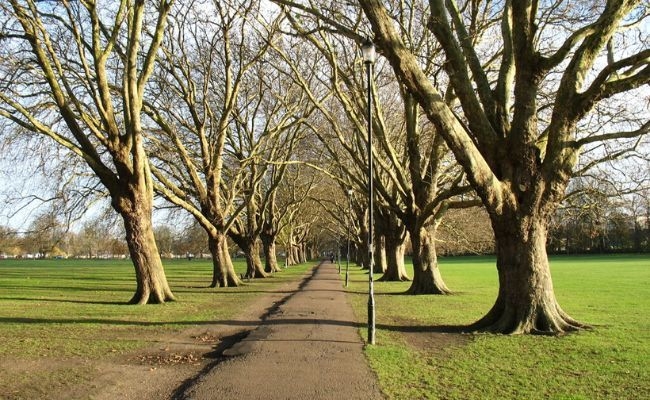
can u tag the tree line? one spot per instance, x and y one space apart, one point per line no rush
250 117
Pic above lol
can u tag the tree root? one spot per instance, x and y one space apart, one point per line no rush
428 288
388 278
148 296
540 320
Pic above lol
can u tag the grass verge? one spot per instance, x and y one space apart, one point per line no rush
70 314
415 360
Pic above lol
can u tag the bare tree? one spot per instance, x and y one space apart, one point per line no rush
517 141
416 179
225 122
76 72
201 72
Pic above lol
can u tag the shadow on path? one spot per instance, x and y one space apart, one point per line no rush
226 343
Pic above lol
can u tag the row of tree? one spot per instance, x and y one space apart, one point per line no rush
218 106
598 224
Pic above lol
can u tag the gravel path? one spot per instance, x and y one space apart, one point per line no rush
307 348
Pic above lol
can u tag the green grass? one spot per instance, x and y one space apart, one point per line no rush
612 361
76 310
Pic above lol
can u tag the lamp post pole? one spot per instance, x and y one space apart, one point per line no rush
338 253
347 259
368 51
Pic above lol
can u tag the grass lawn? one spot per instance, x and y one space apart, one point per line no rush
76 310
612 361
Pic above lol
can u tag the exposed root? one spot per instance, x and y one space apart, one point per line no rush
147 296
536 320
389 278
428 288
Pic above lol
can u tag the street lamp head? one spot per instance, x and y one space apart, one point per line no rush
368 51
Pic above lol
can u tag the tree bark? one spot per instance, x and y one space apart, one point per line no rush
303 253
379 266
151 282
223 271
426 275
364 253
290 257
395 269
295 252
394 236
270 258
254 268
526 301
250 247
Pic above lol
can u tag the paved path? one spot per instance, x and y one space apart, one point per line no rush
308 348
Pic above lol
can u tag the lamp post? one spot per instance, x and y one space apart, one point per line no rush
368 52
347 260
338 253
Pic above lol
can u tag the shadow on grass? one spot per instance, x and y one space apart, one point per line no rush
251 323
425 328
110 303
50 288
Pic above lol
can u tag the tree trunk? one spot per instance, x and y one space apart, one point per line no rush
526 301
151 282
303 253
379 255
295 251
363 256
254 268
289 254
270 258
355 253
223 272
313 252
426 275
395 270
394 237
251 249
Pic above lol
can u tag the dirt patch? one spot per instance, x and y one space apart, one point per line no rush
435 340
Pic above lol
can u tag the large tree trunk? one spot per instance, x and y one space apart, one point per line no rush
526 301
290 260
355 253
303 253
223 271
363 256
394 236
295 251
426 275
254 268
313 251
251 249
270 258
395 270
151 282
379 266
